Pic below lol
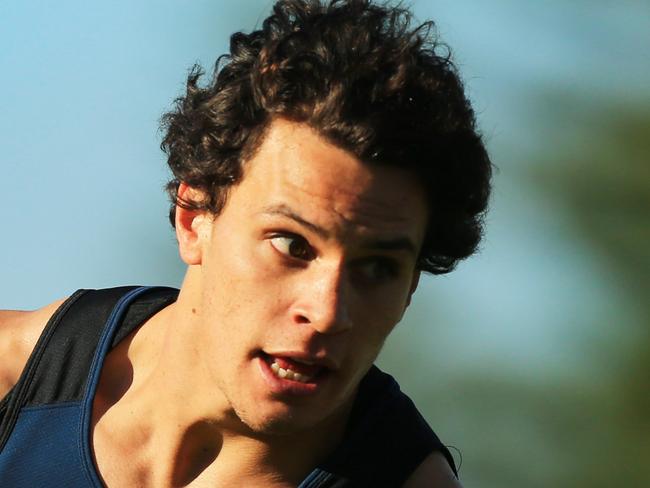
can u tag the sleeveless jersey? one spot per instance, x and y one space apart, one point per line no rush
45 419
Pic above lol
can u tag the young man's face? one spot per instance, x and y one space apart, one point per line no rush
308 268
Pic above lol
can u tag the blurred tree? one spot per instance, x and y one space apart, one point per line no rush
604 183
588 426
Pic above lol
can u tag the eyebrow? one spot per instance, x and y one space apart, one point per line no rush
286 211
401 243
397 244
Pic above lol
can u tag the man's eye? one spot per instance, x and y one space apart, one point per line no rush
292 246
376 270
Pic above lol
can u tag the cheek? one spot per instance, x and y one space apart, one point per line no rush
373 327
241 286
382 307
374 321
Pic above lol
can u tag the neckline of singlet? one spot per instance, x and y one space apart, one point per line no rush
320 476
315 478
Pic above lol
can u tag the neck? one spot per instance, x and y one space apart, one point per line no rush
177 441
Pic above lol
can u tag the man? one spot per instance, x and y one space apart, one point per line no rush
332 158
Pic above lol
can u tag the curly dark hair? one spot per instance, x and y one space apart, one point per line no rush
364 79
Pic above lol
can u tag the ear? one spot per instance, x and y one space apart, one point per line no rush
191 226
414 285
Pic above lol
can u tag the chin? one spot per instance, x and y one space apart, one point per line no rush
278 418
277 423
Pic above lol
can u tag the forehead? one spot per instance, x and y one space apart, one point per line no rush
297 168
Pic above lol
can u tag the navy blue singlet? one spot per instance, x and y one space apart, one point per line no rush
45 419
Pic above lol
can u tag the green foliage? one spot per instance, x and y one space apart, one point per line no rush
584 424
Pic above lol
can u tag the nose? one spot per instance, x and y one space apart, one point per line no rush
324 301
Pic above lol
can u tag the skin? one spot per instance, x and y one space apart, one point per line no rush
19 331
300 262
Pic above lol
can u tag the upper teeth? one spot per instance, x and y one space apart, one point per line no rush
288 373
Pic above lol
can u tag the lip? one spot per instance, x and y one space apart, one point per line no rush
283 386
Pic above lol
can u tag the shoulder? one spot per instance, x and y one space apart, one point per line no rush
433 472
397 432
19 331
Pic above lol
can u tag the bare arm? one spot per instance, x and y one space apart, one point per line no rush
19 331
434 472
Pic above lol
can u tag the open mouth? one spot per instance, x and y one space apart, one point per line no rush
294 369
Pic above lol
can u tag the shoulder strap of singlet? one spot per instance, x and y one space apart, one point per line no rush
57 370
